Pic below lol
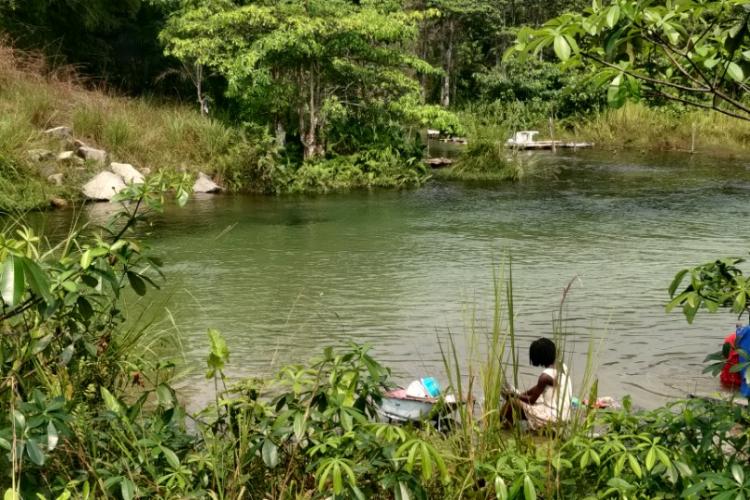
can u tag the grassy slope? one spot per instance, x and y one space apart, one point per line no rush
138 131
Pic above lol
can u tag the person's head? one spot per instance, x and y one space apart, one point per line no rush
542 352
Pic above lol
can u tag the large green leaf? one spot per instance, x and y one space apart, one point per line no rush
270 454
613 15
110 401
562 48
12 281
735 72
34 452
139 286
218 355
37 280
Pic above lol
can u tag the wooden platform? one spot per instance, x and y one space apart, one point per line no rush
551 145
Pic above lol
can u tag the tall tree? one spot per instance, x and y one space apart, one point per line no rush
303 64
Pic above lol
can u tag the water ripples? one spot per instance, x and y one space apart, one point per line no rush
283 277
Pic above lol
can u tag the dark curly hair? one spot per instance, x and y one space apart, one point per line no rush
542 352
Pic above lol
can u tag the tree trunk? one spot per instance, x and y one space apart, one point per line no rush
280 133
198 80
445 92
310 137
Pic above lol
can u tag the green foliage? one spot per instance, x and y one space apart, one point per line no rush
114 41
19 192
310 68
60 352
488 161
544 85
690 51
714 285
364 170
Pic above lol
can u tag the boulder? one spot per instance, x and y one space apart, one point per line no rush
127 172
40 155
56 179
59 132
204 184
92 154
69 157
103 187
58 202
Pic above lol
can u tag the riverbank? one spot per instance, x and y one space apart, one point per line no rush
153 135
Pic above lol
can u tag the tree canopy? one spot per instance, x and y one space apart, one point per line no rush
315 68
696 52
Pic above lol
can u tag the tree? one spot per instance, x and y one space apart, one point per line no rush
696 52
302 66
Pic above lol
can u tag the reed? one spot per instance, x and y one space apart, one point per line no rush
492 363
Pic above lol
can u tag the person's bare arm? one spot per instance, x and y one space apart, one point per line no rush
533 394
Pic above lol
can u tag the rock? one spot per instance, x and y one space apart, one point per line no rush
56 179
59 132
146 171
127 172
92 154
45 170
103 186
204 184
40 155
69 157
58 202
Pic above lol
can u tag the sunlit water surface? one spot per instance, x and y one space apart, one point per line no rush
284 277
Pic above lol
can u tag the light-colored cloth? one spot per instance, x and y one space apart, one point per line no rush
554 403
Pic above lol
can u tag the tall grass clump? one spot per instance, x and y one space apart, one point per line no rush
666 128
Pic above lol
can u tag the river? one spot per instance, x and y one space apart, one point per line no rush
283 277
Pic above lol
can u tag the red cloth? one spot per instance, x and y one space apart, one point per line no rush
730 379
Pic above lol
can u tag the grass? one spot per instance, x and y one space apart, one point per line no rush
636 126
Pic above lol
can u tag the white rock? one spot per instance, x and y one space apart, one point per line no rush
204 184
92 154
127 172
69 157
59 132
56 179
103 186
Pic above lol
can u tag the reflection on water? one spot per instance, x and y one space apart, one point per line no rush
281 277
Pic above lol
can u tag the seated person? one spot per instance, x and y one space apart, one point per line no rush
549 400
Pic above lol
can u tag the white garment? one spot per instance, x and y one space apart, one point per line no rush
554 403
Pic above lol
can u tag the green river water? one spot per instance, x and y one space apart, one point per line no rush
284 277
